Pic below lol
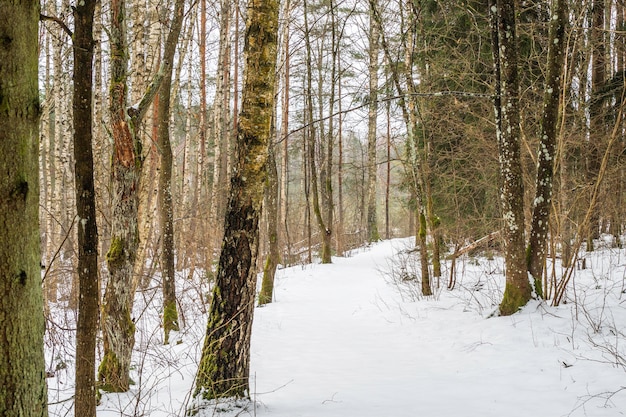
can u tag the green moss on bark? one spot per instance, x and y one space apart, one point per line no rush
514 298
170 320
109 373
116 251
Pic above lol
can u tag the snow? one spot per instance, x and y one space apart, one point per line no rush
356 338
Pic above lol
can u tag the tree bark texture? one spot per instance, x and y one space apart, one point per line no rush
536 252
271 208
225 362
118 327
372 218
89 285
22 370
166 209
517 289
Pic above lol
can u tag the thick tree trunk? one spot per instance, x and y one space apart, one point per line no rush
517 289
536 252
225 363
118 327
89 285
22 370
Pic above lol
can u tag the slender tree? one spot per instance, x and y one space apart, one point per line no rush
372 218
225 363
166 209
89 284
22 370
546 155
271 209
221 134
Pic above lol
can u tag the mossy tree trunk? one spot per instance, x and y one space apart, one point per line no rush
225 363
118 327
22 370
165 207
517 290
89 284
271 208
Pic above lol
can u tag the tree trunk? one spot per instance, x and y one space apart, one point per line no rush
271 207
324 228
284 174
166 210
118 327
597 121
22 369
372 218
89 285
221 113
536 252
225 363
517 289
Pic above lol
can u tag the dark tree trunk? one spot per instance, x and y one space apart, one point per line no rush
22 370
536 252
517 289
225 363
89 285
166 210
597 122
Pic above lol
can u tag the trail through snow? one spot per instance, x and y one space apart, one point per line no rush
353 339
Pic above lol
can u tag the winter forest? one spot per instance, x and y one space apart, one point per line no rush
444 175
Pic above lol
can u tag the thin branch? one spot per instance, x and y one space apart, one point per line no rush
43 18
385 99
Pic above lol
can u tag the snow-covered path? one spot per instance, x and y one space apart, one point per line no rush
338 341
347 340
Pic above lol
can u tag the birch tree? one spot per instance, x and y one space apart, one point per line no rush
225 363
372 218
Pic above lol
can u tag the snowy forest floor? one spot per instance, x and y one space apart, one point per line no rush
356 339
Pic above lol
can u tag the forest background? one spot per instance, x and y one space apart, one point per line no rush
383 126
